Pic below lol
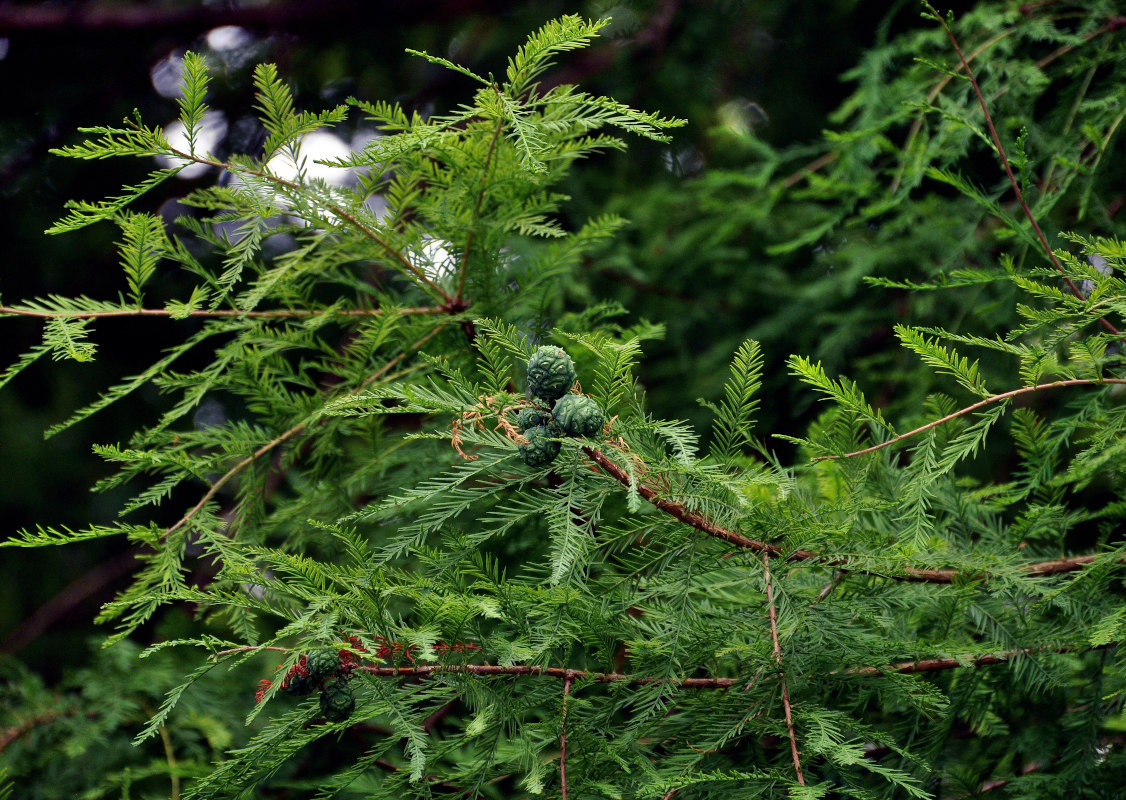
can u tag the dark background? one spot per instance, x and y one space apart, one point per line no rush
65 65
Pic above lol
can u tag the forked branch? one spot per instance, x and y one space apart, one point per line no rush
1008 167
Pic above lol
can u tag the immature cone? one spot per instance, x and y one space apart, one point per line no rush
531 417
337 700
578 415
540 449
322 664
298 681
550 373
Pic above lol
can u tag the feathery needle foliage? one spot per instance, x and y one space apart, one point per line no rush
612 614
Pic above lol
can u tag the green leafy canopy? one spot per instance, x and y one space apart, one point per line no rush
655 613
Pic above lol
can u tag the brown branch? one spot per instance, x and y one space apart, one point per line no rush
518 670
939 664
251 648
702 523
170 757
781 672
69 598
434 781
936 90
98 16
421 276
910 573
232 472
997 783
186 20
491 670
969 409
285 436
932 95
164 312
1111 26
561 673
432 722
811 167
1034 766
567 679
838 576
46 718
1009 170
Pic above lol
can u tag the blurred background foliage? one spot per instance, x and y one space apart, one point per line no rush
752 223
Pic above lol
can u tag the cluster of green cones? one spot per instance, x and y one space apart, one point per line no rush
551 374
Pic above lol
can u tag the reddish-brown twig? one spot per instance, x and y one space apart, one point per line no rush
561 673
970 409
567 679
772 614
903 572
519 670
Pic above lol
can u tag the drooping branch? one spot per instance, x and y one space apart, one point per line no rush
909 573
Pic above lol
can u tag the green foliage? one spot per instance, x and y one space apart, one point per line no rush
489 605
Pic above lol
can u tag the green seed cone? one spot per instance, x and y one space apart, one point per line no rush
531 417
578 415
540 449
550 373
322 663
337 700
